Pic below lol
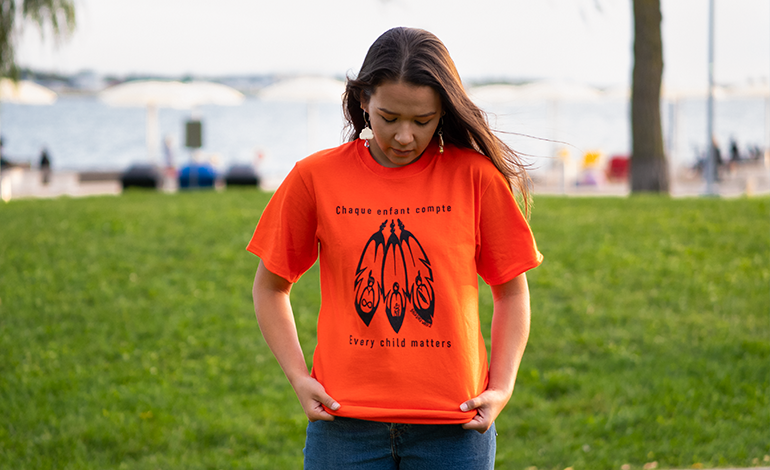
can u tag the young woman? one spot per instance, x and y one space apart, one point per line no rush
405 216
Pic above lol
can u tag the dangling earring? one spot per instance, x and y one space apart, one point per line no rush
441 137
366 132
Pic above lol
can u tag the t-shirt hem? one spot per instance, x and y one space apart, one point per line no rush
405 416
516 271
272 267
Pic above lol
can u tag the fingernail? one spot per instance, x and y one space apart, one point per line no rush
335 406
464 407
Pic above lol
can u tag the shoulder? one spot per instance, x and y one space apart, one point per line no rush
325 165
471 162
468 158
329 157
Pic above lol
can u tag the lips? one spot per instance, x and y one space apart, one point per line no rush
401 153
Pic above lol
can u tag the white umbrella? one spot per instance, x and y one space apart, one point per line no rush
535 91
749 90
559 91
25 92
172 94
674 93
155 94
757 91
549 92
310 90
305 89
617 92
493 94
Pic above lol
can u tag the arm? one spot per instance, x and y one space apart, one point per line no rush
276 320
510 331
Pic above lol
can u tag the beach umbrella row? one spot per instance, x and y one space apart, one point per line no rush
155 94
565 91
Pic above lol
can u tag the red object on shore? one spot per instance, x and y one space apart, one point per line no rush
617 168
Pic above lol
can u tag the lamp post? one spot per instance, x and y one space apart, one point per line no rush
710 167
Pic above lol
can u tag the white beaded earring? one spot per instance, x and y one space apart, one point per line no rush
441 137
366 132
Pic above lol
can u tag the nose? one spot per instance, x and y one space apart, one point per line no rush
404 135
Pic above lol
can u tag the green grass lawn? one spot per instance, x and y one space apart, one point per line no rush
128 338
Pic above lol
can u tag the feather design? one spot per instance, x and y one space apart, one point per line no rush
420 276
394 280
368 282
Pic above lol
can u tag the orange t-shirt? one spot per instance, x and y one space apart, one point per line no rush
400 248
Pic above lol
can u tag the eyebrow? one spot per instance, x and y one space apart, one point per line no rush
384 110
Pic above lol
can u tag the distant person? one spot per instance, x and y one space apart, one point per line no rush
45 166
258 163
168 152
735 154
259 158
755 153
3 162
405 216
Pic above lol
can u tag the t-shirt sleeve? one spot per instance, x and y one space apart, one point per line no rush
505 244
285 238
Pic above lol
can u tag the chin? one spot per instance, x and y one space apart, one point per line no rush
399 157
401 161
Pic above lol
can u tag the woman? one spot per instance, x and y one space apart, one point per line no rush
406 215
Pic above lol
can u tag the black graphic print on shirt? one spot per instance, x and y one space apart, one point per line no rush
396 272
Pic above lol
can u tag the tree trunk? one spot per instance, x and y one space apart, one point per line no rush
649 168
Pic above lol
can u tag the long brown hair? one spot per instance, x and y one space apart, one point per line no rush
420 58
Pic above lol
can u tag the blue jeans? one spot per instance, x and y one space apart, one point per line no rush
347 443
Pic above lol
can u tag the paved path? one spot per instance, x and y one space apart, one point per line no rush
751 180
16 183
746 179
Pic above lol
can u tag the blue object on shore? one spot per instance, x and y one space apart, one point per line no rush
197 175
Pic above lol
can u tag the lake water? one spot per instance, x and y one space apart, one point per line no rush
81 133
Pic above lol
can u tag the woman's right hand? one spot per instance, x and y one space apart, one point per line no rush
312 396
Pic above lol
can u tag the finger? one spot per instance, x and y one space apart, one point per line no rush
475 403
330 402
478 423
471 404
321 400
317 413
318 398
319 416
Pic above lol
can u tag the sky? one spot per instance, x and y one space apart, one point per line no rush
584 41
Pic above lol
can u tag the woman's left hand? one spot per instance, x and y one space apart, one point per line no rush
488 405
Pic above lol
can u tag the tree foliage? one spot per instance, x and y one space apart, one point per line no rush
649 168
58 15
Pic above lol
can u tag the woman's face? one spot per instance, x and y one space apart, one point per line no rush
403 118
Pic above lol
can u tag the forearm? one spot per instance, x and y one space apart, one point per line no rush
276 320
272 307
510 332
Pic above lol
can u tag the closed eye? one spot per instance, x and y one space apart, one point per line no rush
419 123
